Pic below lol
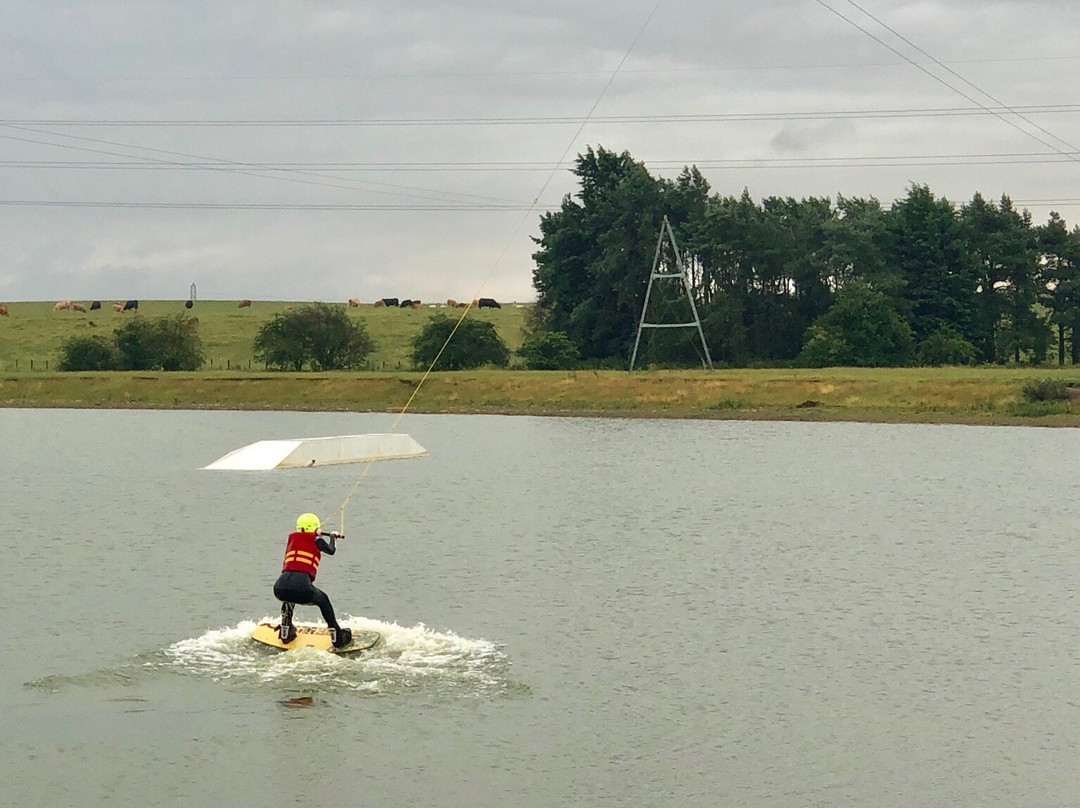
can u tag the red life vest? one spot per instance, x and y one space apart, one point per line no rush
302 554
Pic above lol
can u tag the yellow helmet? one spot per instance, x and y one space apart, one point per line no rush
308 523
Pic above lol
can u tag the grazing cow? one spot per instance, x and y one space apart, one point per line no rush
451 304
406 303
354 303
193 321
188 304
62 305
131 304
489 303
463 305
78 307
118 307
95 305
379 304
416 304
4 311
389 302
243 304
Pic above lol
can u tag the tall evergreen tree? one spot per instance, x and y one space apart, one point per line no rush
1002 245
925 247
595 254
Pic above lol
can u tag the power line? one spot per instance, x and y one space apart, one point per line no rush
230 166
454 74
56 203
733 163
285 206
714 117
998 113
952 72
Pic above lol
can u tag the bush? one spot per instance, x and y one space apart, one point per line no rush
88 353
824 347
945 346
163 343
861 329
324 336
1045 390
549 350
475 343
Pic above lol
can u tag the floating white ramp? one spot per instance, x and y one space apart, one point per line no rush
305 452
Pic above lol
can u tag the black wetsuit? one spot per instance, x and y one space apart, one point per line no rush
294 586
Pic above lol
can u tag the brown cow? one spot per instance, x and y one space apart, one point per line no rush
193 321
416 304
452 304
118 307
78 307
243 304
62 305
3 310
354 303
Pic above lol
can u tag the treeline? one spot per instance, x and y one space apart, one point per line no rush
809 281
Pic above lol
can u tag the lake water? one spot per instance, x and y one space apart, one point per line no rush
576 612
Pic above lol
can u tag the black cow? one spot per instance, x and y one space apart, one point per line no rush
406 303
95 305
131 304
489 303
390 301
188 304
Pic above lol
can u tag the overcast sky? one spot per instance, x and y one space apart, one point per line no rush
328 150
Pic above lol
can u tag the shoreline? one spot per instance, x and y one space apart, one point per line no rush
969 396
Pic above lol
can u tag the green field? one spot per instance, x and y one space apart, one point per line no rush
30 338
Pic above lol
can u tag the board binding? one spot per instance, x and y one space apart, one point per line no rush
317 637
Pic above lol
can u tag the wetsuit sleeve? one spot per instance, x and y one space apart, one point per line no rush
327 547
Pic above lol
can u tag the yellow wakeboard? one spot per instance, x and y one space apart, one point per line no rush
317 637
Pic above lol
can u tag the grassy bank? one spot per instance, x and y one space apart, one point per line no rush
931 395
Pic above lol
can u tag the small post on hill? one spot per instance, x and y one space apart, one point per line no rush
665 229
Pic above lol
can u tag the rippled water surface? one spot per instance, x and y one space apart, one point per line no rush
574 612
